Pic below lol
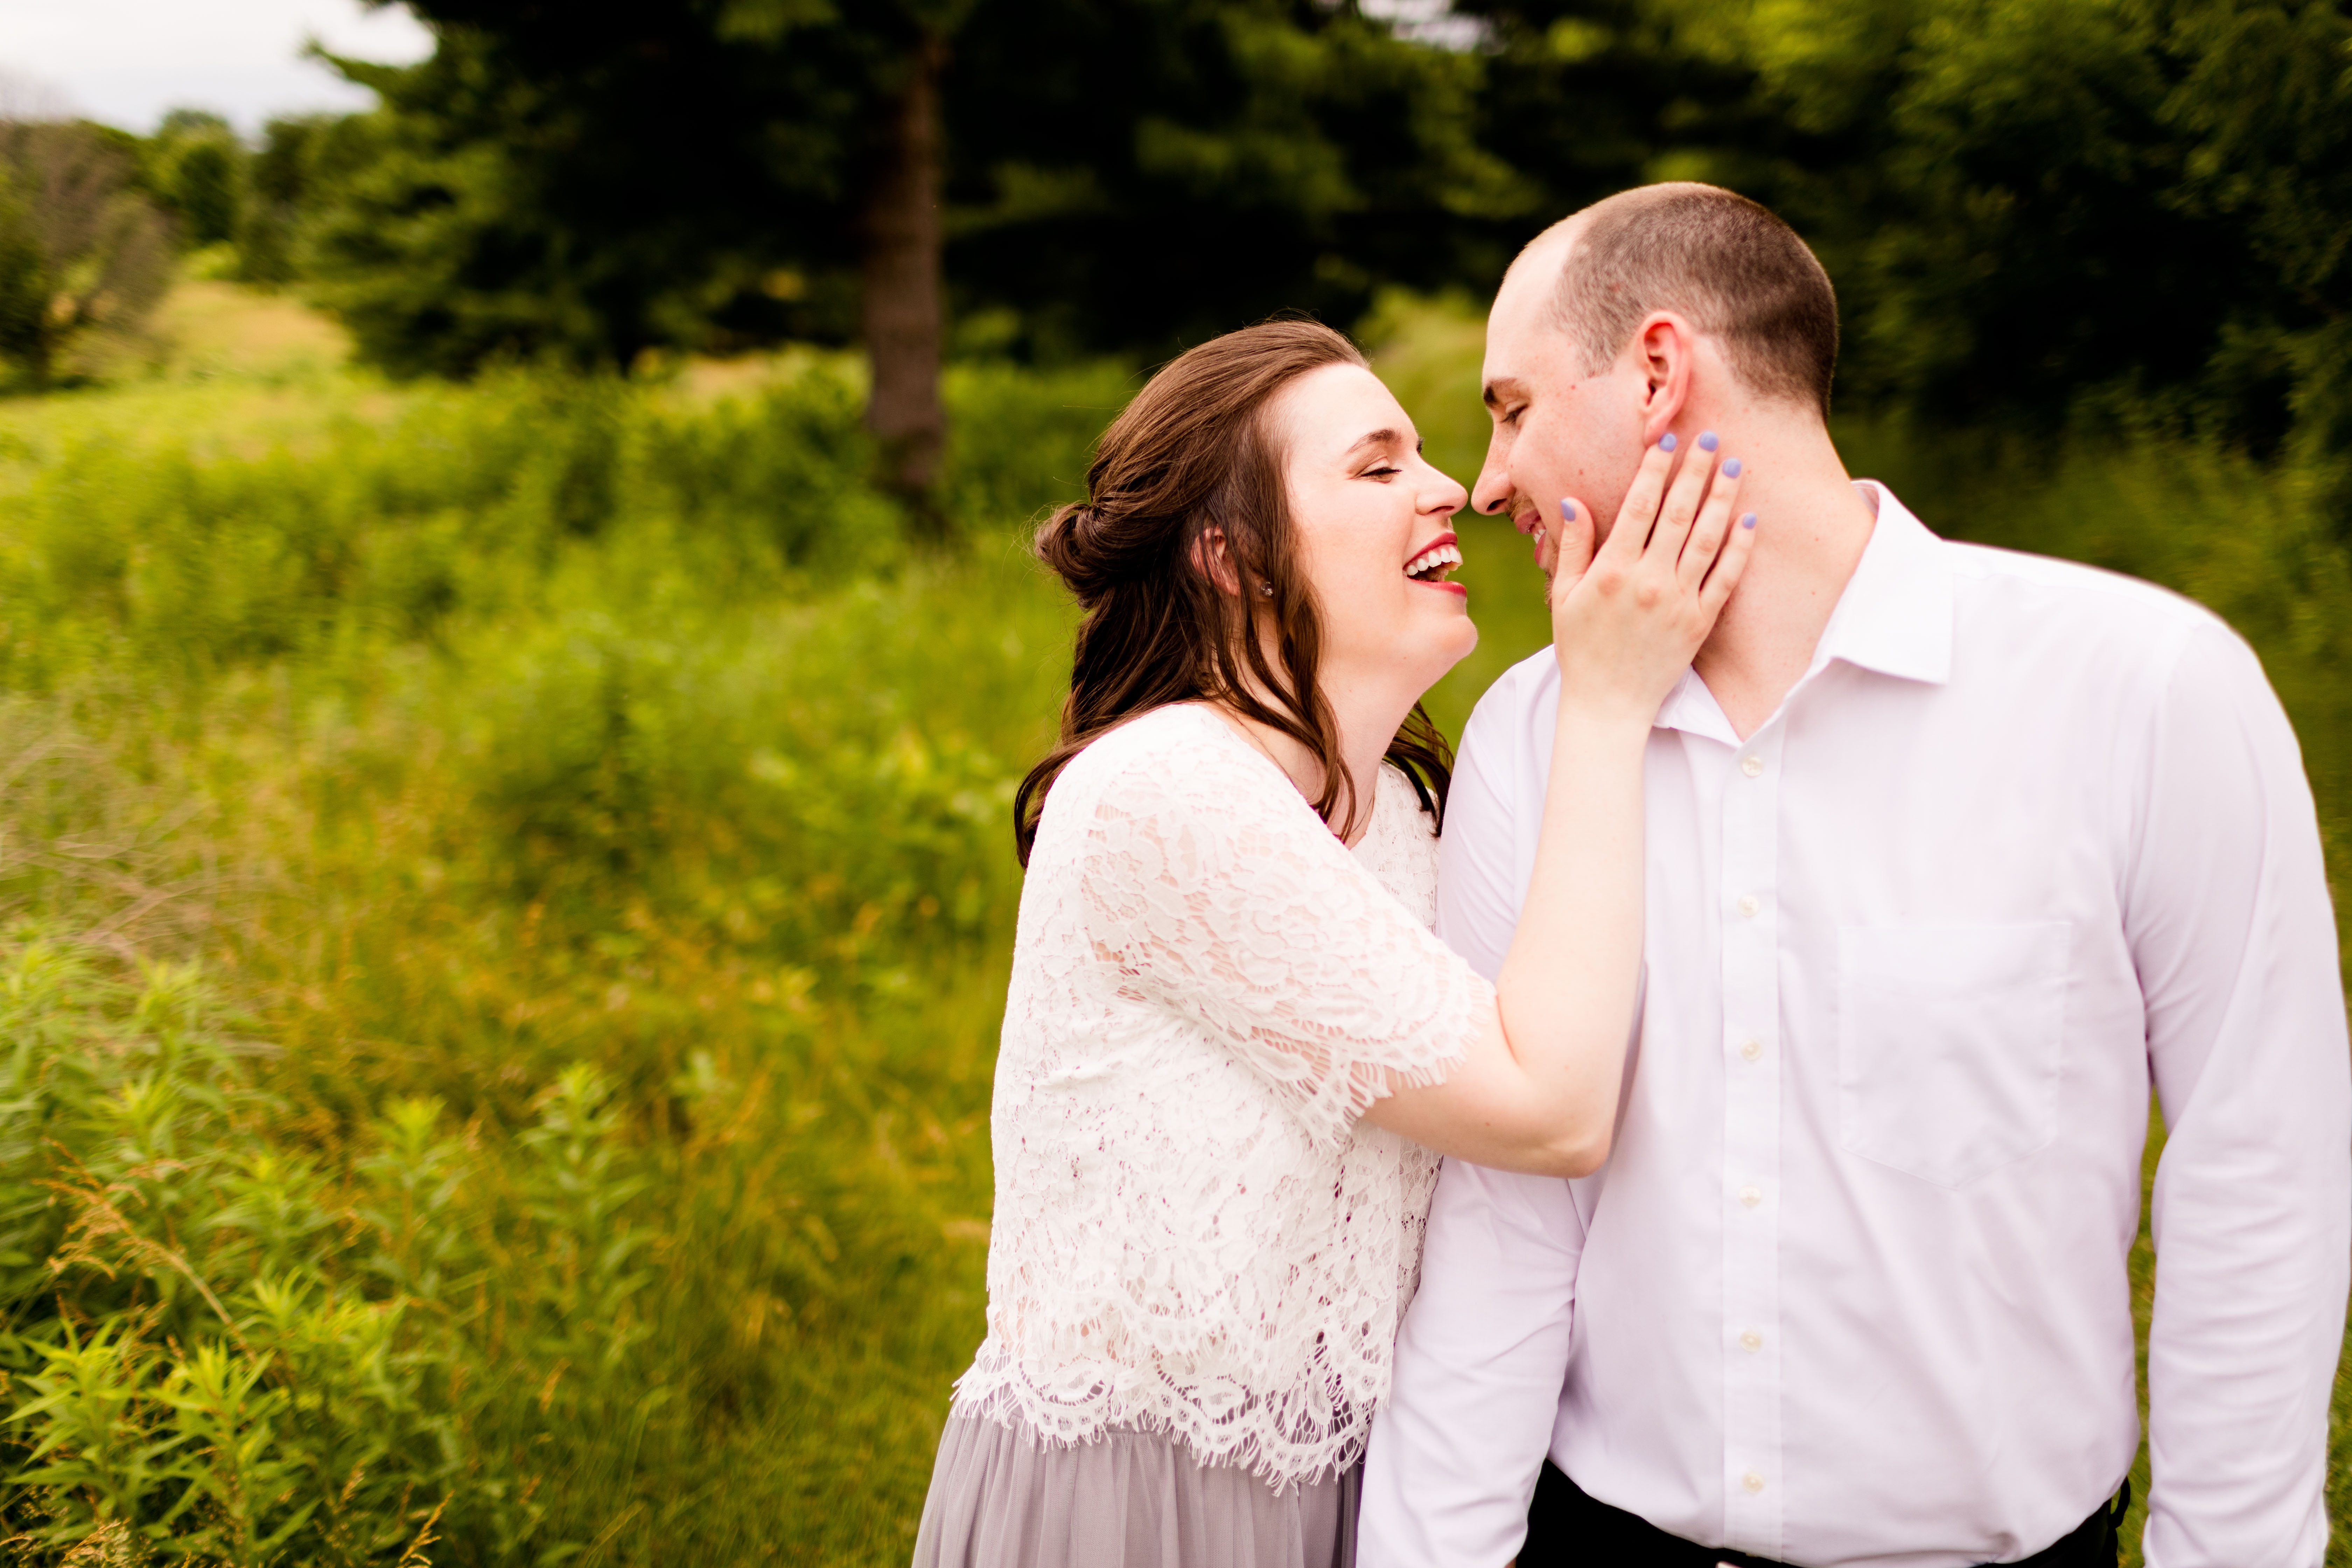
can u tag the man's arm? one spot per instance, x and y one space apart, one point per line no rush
1484 1349
2229 918
1479 1362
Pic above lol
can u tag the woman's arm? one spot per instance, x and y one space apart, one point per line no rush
1539 1090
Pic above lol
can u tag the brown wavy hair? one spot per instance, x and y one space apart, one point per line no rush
1192 452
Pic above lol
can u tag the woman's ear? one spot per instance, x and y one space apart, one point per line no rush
1667 348
1213 561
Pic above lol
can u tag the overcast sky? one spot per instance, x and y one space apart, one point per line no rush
127 61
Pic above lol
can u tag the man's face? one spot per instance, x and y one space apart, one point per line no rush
1558 432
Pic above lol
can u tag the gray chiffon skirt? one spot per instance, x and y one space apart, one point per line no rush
1002 1498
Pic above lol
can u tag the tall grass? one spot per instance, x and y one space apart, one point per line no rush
509 894
504 900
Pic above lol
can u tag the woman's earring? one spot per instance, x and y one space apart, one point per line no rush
1265 589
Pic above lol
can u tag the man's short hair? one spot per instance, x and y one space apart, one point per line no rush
1730 266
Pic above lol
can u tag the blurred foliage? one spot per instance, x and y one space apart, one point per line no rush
2091 202
491 214
2039 213
1146 174
693 176
83 251
506 896
134 548
247 206
196 167
2035 211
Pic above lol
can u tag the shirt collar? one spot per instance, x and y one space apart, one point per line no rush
1896 615
1895 618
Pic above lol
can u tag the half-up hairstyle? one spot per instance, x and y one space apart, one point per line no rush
1192 453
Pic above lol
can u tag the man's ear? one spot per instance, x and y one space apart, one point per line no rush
1213 561
1667 349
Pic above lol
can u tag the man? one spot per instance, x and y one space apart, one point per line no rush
1951 852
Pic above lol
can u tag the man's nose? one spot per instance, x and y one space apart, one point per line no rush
1493 493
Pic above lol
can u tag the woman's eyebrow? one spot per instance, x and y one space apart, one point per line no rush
1376 439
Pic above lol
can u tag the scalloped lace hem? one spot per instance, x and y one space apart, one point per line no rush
1255 1446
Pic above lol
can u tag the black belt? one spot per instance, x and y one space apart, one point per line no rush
1569 1529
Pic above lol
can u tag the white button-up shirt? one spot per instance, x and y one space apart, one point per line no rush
1852 1289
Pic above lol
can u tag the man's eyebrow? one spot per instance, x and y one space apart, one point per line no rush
1501 387
1374 439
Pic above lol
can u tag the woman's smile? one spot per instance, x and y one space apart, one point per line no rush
1433 567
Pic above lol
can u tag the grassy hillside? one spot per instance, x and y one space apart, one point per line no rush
507 894
504 900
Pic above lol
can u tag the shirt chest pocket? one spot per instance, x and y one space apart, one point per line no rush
1949 1045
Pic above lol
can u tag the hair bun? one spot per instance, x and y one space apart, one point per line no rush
1071 542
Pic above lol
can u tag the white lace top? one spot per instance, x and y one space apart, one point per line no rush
1192 1234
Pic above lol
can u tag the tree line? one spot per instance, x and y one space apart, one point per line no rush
2032 207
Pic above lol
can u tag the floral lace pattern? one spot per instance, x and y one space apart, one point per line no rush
1192 1232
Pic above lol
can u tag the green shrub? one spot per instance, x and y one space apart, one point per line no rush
603 827
123 547
196 1352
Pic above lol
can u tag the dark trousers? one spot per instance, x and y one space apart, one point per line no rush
1566 1528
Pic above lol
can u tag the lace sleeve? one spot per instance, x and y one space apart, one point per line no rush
1214 890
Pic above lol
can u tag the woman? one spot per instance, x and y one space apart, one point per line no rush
1233 1050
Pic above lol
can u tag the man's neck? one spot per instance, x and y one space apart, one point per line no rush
1812 528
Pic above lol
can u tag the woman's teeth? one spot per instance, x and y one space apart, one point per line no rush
1432 565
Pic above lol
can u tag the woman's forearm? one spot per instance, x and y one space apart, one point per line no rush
1567 988
1537 1089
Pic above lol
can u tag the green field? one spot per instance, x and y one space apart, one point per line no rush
507 899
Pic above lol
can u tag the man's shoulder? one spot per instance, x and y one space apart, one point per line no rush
1517 692
2116 640
2070 599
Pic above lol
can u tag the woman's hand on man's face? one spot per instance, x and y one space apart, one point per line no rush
1628 616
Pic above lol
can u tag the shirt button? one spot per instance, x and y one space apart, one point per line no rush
1751 766
1752 1481
1751 1340
1749 903
1751 1196
1751 1049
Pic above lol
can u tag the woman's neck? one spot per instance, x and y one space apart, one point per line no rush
1367 720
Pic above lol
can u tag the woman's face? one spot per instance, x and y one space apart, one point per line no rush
1372 532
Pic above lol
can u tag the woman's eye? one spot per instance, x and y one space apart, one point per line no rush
1381 473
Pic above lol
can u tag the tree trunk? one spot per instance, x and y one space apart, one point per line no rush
904 318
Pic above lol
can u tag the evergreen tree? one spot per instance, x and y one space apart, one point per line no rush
712 174
1147 173
196 168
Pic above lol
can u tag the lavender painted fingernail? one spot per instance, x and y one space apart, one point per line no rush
1730 467
1666 442
1567 510
1747 521
1707 442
